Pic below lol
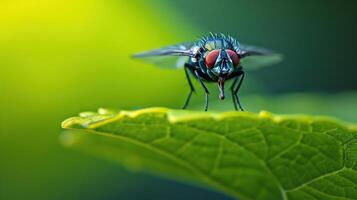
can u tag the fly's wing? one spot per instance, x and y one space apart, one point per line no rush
255 58
170 57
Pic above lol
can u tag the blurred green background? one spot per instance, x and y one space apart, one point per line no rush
58 58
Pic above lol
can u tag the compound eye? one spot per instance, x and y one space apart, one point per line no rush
211 58
234 57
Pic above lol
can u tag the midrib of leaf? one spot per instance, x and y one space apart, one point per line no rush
201 174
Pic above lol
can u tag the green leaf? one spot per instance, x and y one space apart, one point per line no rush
246 155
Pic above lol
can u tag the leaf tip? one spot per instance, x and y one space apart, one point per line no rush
70 122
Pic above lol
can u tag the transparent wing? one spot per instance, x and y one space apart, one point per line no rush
169 57
255 58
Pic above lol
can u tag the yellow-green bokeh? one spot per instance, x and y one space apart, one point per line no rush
62 57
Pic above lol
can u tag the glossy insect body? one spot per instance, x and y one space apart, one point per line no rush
214 58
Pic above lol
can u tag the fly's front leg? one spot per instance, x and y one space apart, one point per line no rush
204 89
235 90
192 89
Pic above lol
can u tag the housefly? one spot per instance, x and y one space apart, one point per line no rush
213 58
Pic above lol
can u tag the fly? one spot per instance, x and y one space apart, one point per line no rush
213 58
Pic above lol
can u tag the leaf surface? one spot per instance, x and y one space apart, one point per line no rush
246 155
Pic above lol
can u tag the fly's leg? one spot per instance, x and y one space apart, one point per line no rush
232 90
235 90
204 89
192 89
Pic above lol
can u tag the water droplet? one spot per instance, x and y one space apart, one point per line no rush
104 111
87 114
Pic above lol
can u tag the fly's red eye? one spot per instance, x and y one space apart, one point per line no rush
234 57
211 58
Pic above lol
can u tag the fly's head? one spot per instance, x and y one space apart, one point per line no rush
221 63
